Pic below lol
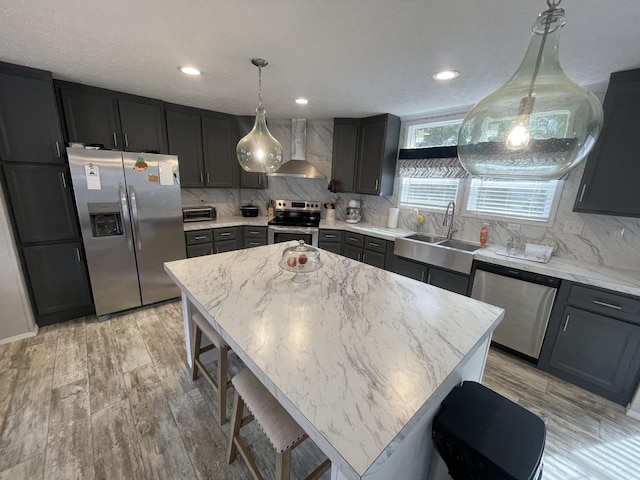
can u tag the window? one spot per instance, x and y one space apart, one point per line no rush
527 201
424 187
428 192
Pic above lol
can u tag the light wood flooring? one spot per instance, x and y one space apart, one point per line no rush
88 399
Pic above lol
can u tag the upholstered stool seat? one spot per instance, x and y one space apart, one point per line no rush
220 384
280 428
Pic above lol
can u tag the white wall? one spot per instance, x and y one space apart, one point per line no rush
16 318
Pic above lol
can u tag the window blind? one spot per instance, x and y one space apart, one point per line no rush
428 192
529 200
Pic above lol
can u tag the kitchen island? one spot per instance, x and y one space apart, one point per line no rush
360 357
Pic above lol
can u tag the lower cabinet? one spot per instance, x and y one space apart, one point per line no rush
216 240
254 236
59 281
438 277
593 341
331 240
362 248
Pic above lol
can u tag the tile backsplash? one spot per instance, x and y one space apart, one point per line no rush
598 243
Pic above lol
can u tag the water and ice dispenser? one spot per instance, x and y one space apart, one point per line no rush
106 219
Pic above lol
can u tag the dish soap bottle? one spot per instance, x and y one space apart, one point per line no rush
484 234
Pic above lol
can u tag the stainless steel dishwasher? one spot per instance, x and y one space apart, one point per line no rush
527 299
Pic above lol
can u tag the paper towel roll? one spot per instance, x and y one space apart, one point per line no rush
392 222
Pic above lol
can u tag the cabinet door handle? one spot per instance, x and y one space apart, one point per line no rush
225 234
63 180
217 249
200 237
584 189
359 256
207 177
377 184
608 305
78 255
201 178
259 179
115 140
126 140
429 278
253 232
373 244
330 236
566 323
58 149
422 276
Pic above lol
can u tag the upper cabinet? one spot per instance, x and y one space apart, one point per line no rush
29 127
612 172
205 144
365 153
115 120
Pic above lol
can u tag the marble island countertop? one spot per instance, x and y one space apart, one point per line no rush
616 279
358 350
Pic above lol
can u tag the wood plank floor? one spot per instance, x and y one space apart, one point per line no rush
107 400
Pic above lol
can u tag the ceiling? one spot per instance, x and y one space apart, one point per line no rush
348 57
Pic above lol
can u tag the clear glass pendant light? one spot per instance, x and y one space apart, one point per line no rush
540 124
258 151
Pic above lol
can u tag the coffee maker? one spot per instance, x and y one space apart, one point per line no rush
353 212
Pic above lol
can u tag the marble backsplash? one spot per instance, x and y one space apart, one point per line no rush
597 244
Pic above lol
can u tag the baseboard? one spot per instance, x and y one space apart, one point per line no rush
19 337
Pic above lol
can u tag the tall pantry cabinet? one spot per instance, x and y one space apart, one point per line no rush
37 187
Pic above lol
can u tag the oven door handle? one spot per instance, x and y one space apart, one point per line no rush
277 228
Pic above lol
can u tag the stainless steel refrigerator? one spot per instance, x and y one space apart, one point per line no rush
130 213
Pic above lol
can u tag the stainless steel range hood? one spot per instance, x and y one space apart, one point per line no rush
298 166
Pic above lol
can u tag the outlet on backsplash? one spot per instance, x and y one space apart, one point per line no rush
573 227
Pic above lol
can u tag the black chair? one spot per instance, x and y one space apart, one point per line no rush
482 435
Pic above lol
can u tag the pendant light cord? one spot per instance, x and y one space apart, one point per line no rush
526 107
259 86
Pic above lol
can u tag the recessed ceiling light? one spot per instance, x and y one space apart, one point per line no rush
302 101
446 75
189 70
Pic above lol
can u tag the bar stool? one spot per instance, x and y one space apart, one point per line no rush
281 430
219 384
483 435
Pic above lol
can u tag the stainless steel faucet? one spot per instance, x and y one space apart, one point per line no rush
449 219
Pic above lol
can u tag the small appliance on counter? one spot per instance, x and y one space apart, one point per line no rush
249 210
353 212
200 213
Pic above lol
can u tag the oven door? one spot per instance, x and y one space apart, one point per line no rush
279 234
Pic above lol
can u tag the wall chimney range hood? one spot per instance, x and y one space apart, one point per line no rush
298 166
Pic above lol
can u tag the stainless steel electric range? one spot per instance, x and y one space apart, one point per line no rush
295 220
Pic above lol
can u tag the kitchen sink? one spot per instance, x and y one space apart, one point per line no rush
455 255
427 238
459 245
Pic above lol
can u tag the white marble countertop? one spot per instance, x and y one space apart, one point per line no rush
616 279
358 351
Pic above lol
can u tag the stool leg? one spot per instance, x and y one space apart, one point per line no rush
236 423
196 353
222 384
283 465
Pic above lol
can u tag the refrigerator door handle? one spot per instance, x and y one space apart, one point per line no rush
134 217
124 209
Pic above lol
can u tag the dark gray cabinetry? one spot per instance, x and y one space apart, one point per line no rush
331 240
254 236
345 151
370 250
353 243
29 127
593 340
612 173
57 275
199 243
227 239
38 194
184 131
371 169
248 179
90 115
42 202
219 145
438 277
113 119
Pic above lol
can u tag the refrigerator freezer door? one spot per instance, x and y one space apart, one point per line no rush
100 192
156 216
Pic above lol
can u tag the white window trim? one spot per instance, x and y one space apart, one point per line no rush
463 197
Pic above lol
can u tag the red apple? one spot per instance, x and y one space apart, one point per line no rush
302 259
292 261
